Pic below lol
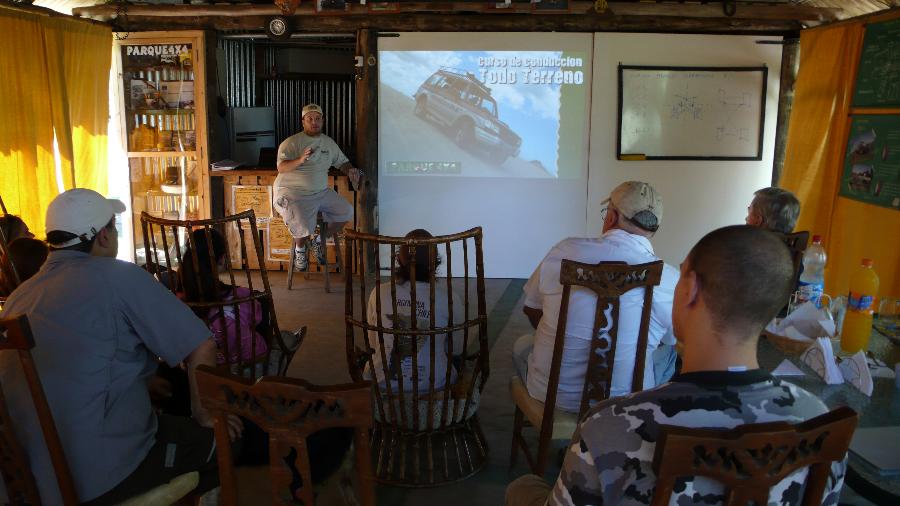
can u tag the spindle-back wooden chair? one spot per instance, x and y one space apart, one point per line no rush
426 429
167 242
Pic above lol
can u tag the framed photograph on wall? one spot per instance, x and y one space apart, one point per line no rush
332 6
383 7
551 6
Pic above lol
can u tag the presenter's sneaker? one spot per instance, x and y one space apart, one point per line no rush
318 249
301 261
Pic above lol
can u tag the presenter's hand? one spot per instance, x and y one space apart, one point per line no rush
355 175
305 156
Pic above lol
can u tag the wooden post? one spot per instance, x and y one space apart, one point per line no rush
790 60
367 132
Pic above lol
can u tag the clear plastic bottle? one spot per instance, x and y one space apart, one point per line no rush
860 308
812 280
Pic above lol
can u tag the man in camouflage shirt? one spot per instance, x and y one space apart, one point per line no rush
718 313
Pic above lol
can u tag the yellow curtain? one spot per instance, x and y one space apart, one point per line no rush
55 77
817 137
82 52
27 172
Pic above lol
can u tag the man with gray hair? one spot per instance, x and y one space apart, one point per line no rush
632 215
775 209
301 188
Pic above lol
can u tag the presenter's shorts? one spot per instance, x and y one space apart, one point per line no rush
299 211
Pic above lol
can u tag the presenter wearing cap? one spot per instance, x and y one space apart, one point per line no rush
99 325
301 188
632 214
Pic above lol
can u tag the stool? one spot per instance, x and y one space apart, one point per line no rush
322 232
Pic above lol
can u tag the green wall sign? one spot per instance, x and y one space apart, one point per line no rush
872 161
878 76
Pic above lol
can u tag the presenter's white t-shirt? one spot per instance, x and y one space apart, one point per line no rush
543 291
400 365
311 177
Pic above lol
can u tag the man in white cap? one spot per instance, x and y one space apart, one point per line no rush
301 188
632 215
99 325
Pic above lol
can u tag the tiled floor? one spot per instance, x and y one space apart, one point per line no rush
322 360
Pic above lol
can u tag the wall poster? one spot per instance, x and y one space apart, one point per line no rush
872 161
257 198
279 240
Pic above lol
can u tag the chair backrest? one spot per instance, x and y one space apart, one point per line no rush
289 410
168 242
797 243
608 281
463 333
21 488
750 459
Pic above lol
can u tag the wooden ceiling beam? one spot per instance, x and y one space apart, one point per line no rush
432 22
744 11
782 12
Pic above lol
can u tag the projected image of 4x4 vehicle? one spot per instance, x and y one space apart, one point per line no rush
460 102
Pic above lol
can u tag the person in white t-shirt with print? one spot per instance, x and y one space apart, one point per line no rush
399 350
301 188
633 213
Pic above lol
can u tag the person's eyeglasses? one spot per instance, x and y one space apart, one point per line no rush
603 213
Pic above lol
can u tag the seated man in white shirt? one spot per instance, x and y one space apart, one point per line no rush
633 214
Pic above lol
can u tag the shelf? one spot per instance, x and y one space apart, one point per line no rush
160 154
167 112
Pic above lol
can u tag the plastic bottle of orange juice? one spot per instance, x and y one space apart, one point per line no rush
860 307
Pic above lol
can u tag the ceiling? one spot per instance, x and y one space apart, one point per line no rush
843 8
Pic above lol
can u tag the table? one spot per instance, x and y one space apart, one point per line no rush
882 409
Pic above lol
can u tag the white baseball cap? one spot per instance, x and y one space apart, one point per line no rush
310 108
633 197
81 212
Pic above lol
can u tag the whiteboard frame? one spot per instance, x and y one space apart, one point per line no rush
762 111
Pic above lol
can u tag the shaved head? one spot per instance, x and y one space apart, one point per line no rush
744 276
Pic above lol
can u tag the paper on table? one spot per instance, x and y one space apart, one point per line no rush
820 358
856 371
809 320
796 335
787 368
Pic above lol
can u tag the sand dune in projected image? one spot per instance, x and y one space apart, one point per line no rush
406 137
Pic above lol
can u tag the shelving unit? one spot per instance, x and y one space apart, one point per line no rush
163 84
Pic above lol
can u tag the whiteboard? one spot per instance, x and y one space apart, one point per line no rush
691 113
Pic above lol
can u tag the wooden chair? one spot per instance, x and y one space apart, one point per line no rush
750 459
289 410
424 435
797 243
21 487
166 243
609 281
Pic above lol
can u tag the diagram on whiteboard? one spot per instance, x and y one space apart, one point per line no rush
691 113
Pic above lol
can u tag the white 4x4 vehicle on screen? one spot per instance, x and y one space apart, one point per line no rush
463 104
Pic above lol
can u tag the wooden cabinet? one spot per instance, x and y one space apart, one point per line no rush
252 189
163 83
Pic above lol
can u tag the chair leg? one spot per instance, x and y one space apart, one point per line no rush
516 437
290 279
323 235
